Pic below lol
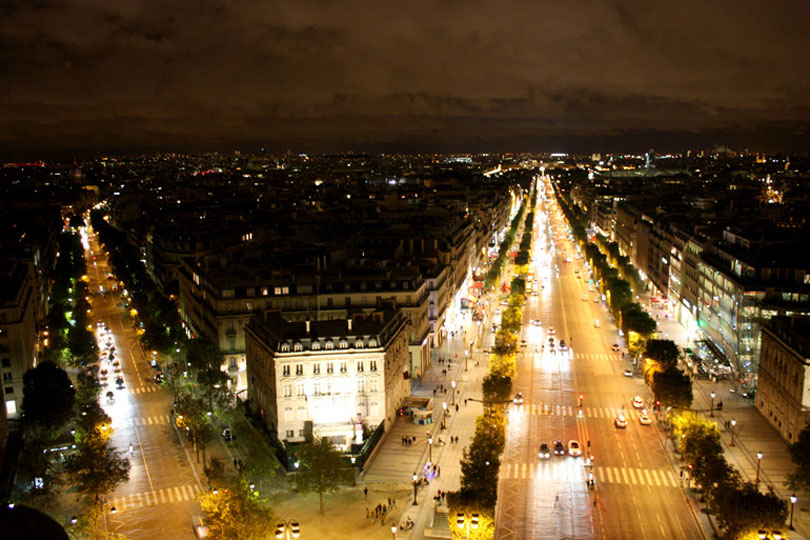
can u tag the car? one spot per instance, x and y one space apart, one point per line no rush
620 421
536 322
158 378
200 528
638 403
585 297
535 293
563 346
574 449
119 383
551 331
628 372
615 347
523 343
537 348
644 418
504 302
596 323
596 299
497 311
227 434
518 400
559 448
544 453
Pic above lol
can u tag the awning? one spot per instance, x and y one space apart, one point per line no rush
477 285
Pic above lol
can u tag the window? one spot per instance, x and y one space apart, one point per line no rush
287 390
290 433
316 388
330 367
372 342
361 386
299 369
360 365
316 369
343 367
249 306
285 347
281 290
343 344
6 362
358 343
329 303
228 293
302 413
232 345
9 389
329 345
285 370
265 291
372 385
298 347
299 388
372 365
316 345
288 414
300 432
348 301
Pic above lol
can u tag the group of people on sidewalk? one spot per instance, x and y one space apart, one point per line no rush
381 510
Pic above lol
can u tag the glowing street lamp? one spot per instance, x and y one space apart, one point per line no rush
733 423
415 478
793 501
453 386
711 409
759 460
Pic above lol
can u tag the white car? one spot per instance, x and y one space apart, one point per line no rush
596 323
638 403
536 322
551 331
574 449
644 418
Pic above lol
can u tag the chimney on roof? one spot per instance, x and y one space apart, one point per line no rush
306 323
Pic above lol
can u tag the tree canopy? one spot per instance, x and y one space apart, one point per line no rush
321 469
236 512
48 397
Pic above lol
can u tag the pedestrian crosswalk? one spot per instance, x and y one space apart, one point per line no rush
144 389
153 498
549 471
543 409
596 356
159 420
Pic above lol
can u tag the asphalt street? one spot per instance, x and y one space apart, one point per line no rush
636 491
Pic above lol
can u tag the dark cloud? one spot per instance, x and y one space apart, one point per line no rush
313 75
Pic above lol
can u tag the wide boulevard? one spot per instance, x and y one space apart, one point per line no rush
576 394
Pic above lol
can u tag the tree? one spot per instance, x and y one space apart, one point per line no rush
48 398
672 387
512 319
742 510
497 387
96 467
800 454
236 512
663 351
505 343
321 469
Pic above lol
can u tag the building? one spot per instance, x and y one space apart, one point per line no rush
783 391
329 378
17 330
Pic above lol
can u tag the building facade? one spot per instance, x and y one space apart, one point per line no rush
783 391
18 333
331 378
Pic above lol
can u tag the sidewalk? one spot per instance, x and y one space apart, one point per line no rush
395 462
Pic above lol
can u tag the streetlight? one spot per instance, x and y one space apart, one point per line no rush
394 532
793 501
733 423
291 528
467 521
453 386
759 460
711 410
430 450
415 478
466 357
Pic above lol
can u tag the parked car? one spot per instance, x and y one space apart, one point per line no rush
227 435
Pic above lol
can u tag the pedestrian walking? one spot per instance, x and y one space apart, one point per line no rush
465 402
456 407
368 514
365 494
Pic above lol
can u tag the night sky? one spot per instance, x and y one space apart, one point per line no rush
446 76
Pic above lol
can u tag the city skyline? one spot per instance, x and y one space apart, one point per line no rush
361 76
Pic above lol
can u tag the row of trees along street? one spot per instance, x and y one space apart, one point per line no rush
481 462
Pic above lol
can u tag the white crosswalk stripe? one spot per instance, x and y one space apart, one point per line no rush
144 389
160 420
544 409
153 498
549 471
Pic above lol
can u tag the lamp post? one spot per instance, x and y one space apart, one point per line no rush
467 521
394 532
430 453
733 423
288 529
711 409
415 478
793 501
466 357
453 386
759 460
